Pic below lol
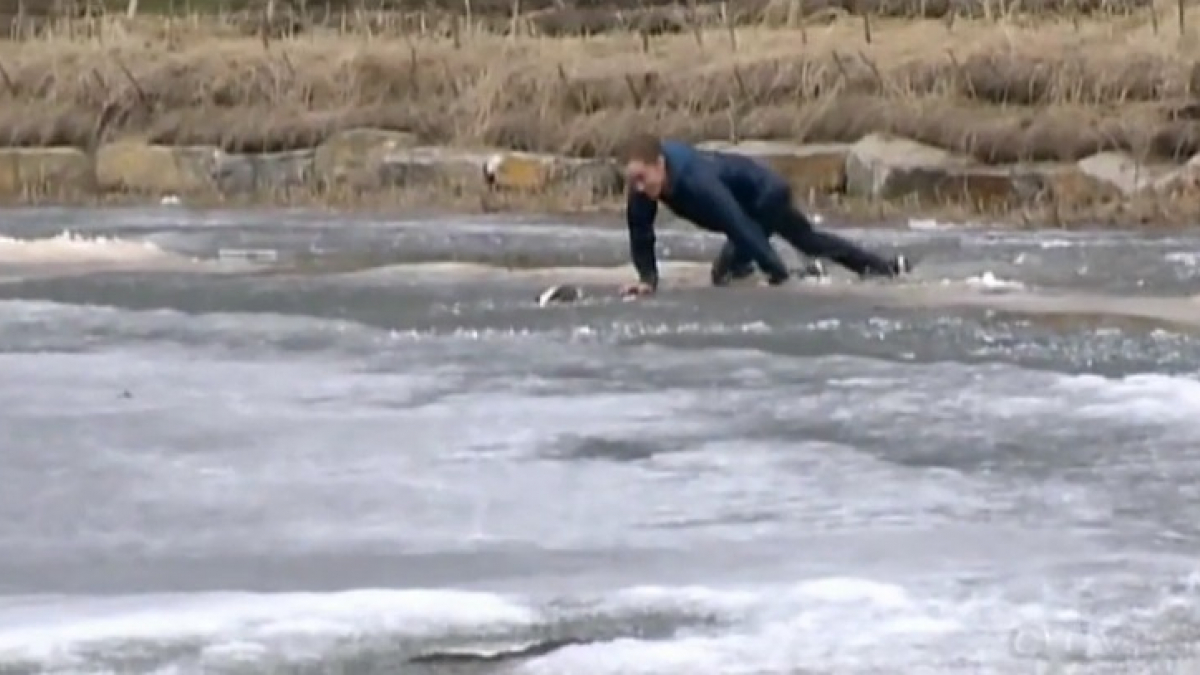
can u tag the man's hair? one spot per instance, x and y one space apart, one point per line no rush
642 148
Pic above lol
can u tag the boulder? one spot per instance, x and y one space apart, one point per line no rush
986 187
817 168
990 187
133 166
430 166
1068 185
598 176
354 157
1122 171
887 167
265 173
1184 180
533 172
25 171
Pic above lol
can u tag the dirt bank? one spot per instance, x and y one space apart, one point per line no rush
1022 88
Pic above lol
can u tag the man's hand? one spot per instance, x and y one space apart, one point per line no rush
633 291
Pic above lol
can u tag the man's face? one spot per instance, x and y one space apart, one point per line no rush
647 178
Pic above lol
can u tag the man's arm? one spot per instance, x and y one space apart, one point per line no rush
640 213
714 199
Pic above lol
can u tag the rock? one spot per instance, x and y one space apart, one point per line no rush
1068 185
808 168
45 171
891 168
886 167
129 166
600 177
987 187
132 166
991 187
432 167
1121 170
354 157
532 172
1184 180
274 172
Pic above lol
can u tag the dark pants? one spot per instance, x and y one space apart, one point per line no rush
788 222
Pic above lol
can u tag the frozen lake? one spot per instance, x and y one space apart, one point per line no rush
283 442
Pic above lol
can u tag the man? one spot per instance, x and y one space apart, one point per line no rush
736 196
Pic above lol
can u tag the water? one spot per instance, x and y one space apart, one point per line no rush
283 442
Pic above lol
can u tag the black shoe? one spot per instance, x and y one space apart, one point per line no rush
897 266
724 276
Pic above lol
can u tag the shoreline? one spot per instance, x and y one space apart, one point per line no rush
879 179
1041 117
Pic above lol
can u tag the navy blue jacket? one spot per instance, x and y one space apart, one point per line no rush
716 191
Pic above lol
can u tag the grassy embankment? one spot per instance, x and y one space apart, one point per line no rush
1048 83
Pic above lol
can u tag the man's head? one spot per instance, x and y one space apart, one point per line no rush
645 169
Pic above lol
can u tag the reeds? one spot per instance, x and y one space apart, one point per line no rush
1041 80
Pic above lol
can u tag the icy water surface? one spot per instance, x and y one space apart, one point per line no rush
289 442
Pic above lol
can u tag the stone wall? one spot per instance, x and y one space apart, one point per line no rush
878 168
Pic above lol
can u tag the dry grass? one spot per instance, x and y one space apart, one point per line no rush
1011 87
